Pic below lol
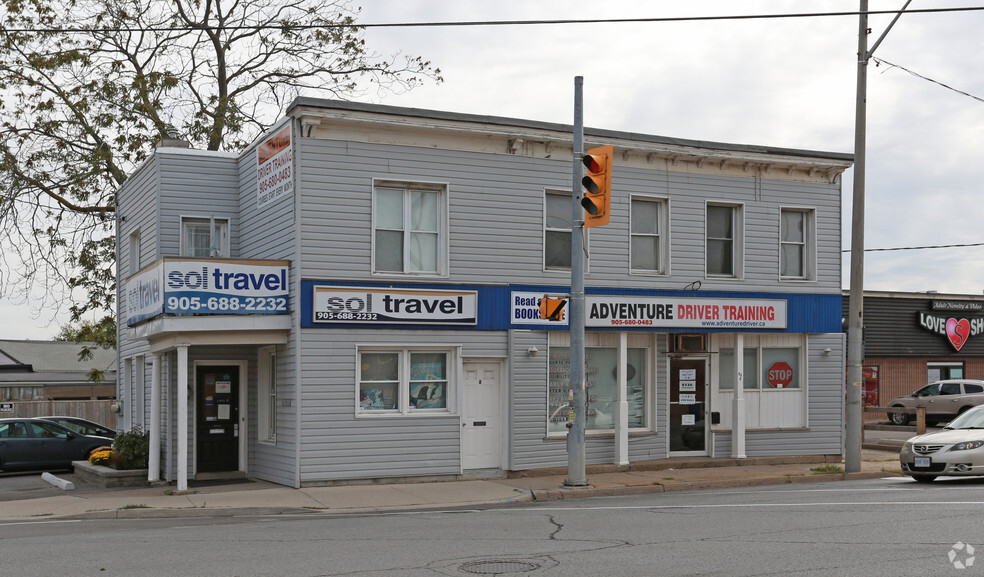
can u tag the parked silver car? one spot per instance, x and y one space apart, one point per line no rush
942 400
957 449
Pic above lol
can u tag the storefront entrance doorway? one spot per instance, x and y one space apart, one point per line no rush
688 407
217 418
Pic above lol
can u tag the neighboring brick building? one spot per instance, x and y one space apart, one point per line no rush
911 339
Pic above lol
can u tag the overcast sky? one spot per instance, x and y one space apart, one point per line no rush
780 82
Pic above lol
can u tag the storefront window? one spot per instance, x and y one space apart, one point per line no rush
780 368
943 371
379 387
428 381
601 376
726 360
403 381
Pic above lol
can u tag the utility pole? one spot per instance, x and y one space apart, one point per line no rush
854 412
575 434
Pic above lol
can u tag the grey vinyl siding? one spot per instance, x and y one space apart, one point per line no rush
200 185
137 210
495 205
825 410
336 445
268 233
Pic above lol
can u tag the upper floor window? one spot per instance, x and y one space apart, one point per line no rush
408 230
648 241
205 237
795 243
723 240
134 248
557 230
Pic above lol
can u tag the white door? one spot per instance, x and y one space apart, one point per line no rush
480 429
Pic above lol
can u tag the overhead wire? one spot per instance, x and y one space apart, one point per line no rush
434 24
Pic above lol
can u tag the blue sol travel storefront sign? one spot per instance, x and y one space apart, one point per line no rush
207 286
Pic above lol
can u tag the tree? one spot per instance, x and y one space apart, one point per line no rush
88 86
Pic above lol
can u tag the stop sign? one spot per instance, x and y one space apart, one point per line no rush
780 374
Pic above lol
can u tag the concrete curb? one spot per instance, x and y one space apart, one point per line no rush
657 487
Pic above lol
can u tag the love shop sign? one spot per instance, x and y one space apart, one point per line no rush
957 330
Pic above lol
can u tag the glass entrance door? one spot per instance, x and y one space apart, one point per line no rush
688 406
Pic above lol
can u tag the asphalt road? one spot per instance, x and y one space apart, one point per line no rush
891 526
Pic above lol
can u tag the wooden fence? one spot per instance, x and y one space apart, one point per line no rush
98 411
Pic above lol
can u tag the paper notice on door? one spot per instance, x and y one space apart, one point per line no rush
688 374
223 387
688 385
224 412
687 420
688 399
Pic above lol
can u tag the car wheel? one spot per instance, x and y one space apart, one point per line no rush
898 418
924 478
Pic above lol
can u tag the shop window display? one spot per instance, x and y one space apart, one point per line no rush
601 384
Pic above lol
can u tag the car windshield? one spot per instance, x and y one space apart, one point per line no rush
928 391
968 420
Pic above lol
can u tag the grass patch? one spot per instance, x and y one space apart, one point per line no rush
827 469
134 507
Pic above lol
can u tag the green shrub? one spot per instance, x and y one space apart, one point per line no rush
131 449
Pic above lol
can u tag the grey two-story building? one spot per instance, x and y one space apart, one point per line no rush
355 296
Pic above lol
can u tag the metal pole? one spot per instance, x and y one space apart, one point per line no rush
855 334
575 435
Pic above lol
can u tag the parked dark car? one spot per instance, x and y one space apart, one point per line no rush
38 444
83 426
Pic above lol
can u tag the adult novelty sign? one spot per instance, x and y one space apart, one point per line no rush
343 304
202 286
661 312
274 165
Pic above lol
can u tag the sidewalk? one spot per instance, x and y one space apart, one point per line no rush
260 497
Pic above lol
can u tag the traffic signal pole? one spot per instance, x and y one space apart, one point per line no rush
575 434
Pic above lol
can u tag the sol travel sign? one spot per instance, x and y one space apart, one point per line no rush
345 304
957 331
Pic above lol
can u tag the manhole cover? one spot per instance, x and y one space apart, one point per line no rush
497 567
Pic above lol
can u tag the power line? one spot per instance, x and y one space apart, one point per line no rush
917 75
495 22
967 245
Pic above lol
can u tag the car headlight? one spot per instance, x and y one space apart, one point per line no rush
967 445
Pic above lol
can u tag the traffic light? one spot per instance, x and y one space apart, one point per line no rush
552 309
597 199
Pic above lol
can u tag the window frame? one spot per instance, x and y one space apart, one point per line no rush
737 240
223 228
809 244
443 209
133 246
266 397
403 407
662 234
555 230
649 405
